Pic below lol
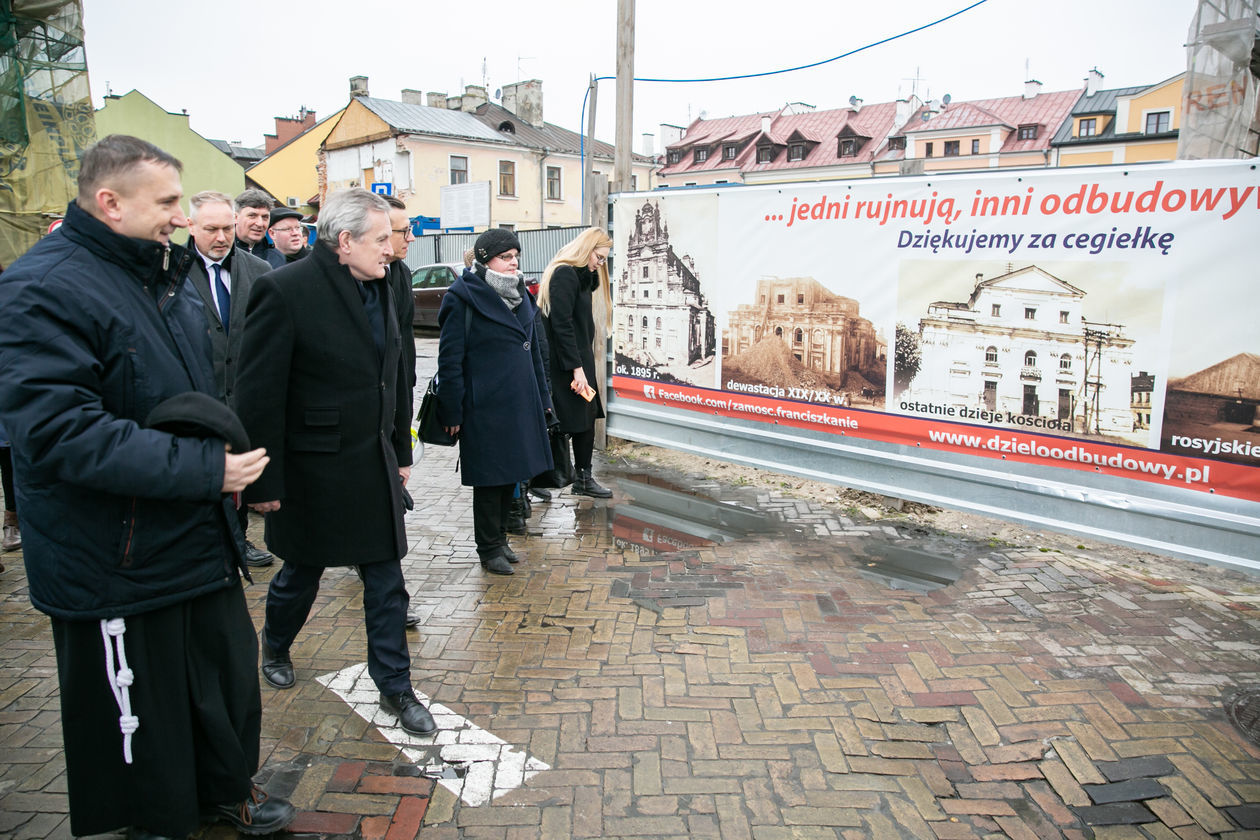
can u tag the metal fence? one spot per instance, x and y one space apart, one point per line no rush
537 248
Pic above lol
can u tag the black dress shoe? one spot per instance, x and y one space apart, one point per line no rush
412 716
135 833
413 618
255 556
259 814
277 668
497 564
508 554
540 494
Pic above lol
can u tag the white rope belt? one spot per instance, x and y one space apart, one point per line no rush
120 679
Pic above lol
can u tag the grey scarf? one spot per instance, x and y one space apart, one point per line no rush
508 286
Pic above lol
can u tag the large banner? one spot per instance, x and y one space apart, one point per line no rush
1089 319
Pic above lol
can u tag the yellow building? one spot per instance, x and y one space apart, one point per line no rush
1121 125
530 170
290 173
205 166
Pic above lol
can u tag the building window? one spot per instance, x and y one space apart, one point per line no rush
673 156
645 271
630 321
459 169
1063 316
765 154
1065 362
951 148
1157 122
702 155
553 183
634 183
927 149
990 355
729 151
800 336
796 151
848 146
975 147
645 294
1030 359
800 299
658 323
895 143
1028 132
1088 127
645 322
507 177
507 227
660 293
780 300
996 310
1030 313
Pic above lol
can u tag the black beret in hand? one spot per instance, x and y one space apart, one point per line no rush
194 414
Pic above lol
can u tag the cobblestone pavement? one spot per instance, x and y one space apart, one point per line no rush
664 666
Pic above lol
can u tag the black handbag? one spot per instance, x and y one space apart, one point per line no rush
561 473
429 428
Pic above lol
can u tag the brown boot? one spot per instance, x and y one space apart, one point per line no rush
12 536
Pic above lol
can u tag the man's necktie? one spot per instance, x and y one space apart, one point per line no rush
225 299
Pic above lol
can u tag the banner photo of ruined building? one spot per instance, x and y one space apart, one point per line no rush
1093 319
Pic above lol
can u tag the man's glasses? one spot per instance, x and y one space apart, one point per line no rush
292 229
406 232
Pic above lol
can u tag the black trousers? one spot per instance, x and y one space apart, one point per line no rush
583 448
490 514
293 590
195 692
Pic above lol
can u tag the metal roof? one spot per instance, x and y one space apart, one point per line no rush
421 119
1101 103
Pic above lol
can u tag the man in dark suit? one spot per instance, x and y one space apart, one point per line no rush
223 275
323 387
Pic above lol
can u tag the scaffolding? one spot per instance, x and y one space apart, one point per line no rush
46 116
1221 104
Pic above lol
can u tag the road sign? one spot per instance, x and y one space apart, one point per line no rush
382 188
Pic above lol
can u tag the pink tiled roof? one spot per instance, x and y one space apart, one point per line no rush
822 128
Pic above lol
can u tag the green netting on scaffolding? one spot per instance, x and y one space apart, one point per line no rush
46 116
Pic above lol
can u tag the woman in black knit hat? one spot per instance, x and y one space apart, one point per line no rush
492 392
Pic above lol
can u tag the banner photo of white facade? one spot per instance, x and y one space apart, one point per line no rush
1095 319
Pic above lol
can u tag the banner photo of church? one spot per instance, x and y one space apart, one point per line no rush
1086 319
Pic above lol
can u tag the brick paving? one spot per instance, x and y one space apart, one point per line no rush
766 686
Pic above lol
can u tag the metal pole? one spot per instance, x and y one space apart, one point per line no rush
625 96
589 203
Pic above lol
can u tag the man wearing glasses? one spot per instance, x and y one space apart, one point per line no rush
398 277
289 234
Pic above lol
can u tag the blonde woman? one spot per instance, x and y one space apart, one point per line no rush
574 288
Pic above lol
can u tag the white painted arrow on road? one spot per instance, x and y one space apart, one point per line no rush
475 765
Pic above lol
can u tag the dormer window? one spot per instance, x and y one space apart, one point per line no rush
1028 132
765 154
848 147
1088 127
1157 122
702 154
796 151
674 156
895 143
507 127
729 150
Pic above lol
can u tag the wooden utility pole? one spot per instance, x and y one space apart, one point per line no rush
625 96
589 205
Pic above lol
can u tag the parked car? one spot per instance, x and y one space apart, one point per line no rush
428 286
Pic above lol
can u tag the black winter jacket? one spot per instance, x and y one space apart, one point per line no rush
116 519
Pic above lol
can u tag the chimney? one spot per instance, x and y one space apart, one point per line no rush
856 102
525 99
903 113
1032 87
412 97
358 86
649 144
1092 81
435 99
670 134
474 97
765 125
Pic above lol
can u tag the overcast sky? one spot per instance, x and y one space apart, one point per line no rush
235 65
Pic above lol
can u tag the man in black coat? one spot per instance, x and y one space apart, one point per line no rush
128 541
253 219
323 386
222 276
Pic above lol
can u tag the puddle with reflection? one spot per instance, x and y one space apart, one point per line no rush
657 516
